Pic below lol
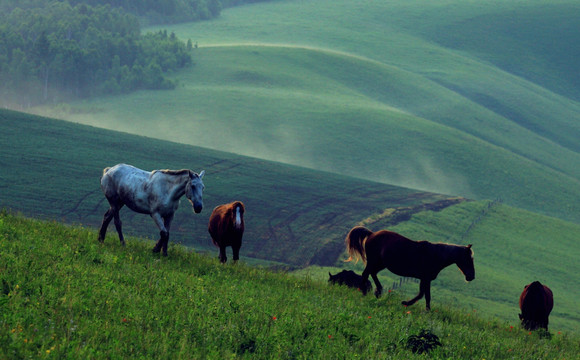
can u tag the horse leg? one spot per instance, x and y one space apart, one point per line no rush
236 251
365 277
379 287
118 226
167 222
165 242
222 256
419 296
163 233
427 291
106 220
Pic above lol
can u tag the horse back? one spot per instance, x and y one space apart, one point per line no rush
536 303
126 184
402 256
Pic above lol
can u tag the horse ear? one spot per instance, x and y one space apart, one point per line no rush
469 246
201 174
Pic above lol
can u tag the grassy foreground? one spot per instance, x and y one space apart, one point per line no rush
63 295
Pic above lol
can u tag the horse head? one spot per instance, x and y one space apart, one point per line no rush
194 190
465 262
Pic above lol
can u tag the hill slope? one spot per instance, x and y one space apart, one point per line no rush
412 93
51 169
71 297
294 216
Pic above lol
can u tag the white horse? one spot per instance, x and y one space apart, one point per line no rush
156 193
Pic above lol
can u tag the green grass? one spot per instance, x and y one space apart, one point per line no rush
66 296
512 248
419 94
295 217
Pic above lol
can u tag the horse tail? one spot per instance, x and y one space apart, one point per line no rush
355 241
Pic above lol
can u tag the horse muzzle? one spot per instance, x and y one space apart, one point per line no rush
469 278
197 208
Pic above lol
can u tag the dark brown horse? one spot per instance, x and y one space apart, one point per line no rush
226 227
536 303
350 279
419 259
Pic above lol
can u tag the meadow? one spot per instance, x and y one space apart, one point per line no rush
444 121
64 295
447 97
296 218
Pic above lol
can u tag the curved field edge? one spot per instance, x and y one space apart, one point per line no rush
72 297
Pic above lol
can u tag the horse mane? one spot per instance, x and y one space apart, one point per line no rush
173 172
355 243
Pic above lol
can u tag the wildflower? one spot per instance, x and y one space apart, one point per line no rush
330 336
48 351
274 318
124 320
408 312
370 317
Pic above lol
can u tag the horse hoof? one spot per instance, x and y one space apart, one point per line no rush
156 249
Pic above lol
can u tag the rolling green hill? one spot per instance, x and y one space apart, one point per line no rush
474 99
295 217
52 169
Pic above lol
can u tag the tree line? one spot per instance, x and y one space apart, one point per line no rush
55 50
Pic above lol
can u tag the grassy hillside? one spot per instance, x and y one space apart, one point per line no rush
51 169
512 248
71 297
295 217
427 95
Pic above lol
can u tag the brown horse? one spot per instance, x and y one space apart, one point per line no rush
226 227
536 303
419 259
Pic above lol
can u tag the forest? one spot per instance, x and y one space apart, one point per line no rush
52 51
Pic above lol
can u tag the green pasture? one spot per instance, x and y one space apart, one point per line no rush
66 296
420 94
296 218
512 248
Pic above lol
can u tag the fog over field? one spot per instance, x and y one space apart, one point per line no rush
449 97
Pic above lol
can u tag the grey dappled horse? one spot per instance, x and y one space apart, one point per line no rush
156 193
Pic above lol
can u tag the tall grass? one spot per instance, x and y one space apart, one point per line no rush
64 295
